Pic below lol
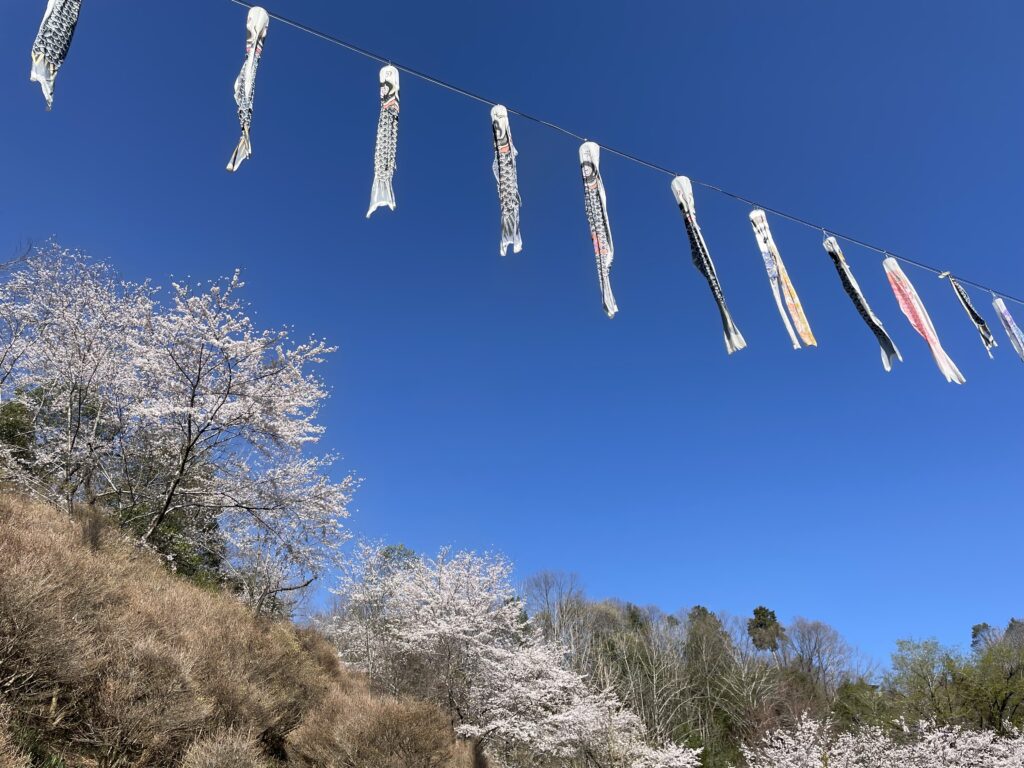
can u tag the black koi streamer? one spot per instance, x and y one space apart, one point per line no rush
889 350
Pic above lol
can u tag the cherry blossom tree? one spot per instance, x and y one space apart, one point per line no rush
231 409
67 364
453 629
194 427
815 744
15 322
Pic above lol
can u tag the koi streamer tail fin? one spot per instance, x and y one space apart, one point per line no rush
510 234
381 194
45 75
889 353
242 152
947 366
777 293
607 299
734 340
796 309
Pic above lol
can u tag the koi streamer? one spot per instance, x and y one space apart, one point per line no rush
777 275
913 308
386 150
1015 333
508 182
596 204
683 191
979 322
245 84
852 289
52 43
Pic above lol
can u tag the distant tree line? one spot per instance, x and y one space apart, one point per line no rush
704 680
544 676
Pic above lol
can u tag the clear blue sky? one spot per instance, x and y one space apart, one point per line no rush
488 402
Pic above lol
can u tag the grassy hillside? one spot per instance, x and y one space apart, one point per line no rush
108 660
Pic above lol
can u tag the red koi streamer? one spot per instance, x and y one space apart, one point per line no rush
912 307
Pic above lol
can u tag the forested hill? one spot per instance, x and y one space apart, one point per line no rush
721 681
744 691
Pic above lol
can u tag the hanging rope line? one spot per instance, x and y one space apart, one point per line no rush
620 153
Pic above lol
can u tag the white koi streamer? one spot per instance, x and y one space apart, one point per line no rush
508 181
889 351
913 308
256 26
682 189
52 44
1011 328
386 150
777 275
596 204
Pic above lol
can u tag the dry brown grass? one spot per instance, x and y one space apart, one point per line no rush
357 730
227 749
10 755
107 658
